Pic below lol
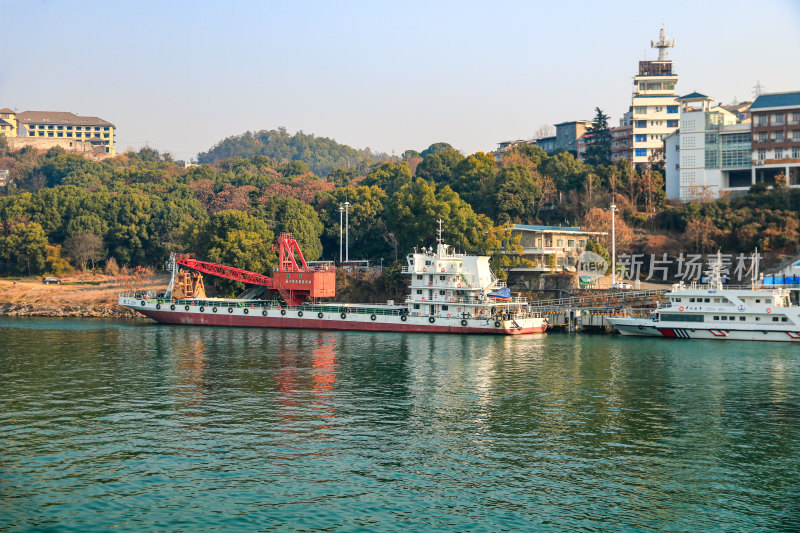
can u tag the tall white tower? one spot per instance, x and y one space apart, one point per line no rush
654 110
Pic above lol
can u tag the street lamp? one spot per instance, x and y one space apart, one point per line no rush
347 231
613 246
341 211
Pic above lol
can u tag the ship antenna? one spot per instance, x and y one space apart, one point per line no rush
439 231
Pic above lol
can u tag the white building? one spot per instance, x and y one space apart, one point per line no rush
655 112
709 156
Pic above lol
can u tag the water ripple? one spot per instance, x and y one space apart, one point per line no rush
135 427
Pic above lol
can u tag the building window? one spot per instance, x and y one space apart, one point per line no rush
641 138
641 123
69 127
796 152
69 134
60 134
97 128
672 109
762 154
778 153
641 152
672 123
640 110
105 129
49 133
778 119
49 127
761 120
761 136
571 243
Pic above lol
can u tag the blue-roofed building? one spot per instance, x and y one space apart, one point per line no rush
550 249
776 138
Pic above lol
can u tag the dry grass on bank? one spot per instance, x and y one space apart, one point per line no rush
76 289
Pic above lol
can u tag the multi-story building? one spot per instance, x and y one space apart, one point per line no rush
548 144
776 138
709 156
622 139
8 123
568 133
654 111
58 128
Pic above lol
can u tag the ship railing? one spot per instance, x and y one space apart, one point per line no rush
517 300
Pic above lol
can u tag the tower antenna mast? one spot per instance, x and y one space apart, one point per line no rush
663 44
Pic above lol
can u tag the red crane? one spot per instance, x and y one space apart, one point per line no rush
296 282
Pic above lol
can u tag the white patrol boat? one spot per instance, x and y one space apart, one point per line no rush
714 312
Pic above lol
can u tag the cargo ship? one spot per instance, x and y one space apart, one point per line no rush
449 293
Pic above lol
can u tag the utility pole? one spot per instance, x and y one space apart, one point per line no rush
341 229
613 246
347 231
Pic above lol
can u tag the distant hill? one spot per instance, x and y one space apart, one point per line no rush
321 154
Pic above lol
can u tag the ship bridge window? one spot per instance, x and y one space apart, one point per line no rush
691 299
775 319
784 319
682 317
716 300
768 301
758 301
731 318
419 291
676 299
708 300
441 278
427 263
724 318
445 308
716 318
416 306
741 319
441 293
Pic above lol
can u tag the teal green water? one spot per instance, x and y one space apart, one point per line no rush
140 427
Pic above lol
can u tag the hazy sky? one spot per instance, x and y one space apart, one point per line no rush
180 76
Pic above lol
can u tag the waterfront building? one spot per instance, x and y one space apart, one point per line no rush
709 156
506 146
45 129
776 138
654 110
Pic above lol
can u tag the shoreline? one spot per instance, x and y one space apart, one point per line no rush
11 309
78 296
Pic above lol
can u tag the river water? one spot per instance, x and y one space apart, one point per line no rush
133 426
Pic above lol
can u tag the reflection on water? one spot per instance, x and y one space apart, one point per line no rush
141 427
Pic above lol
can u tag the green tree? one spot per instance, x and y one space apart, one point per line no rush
236 239
288 215
473 178
516 193
437 166
599 150
24 250
389 176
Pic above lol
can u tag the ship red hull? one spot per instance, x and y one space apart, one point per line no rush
254 321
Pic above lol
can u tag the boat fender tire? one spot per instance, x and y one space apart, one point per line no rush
343 315
283 311
202 308
172 307
230 309
463 322
299 314
403 317
497 323
319 315
158 306
145 303
372 317
431 319
186 307
213 309
264 312
641 327
246 310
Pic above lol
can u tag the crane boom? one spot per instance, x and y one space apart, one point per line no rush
224 271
